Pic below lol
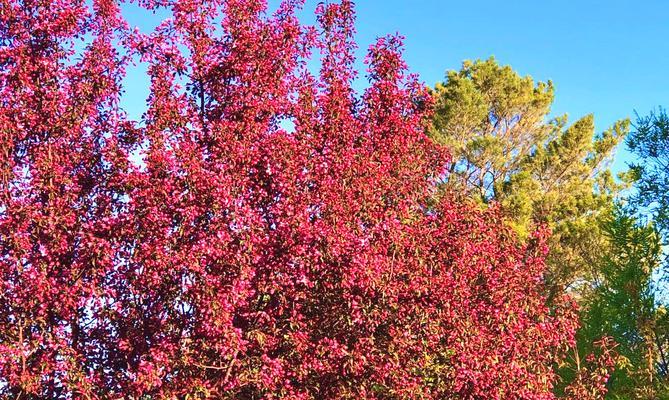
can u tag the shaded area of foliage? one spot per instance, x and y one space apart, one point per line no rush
624 307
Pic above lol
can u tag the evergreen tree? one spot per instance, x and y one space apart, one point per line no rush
506 149
624 307
650 142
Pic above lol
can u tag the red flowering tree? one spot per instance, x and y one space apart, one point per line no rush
261 233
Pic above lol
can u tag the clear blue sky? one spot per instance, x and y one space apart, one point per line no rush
609 57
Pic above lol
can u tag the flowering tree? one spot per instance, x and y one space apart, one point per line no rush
263 232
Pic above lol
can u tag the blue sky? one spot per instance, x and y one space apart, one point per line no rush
609 57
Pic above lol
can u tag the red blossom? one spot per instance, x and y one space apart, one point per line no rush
212 251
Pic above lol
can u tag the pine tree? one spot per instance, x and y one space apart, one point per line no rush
624 307
543 171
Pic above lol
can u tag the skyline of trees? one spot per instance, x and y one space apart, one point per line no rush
398 243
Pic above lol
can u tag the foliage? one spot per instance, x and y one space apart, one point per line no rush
588 376
208 252
505 149
650 142
624 307
491 119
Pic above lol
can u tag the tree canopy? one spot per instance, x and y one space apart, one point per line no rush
206 251
507 149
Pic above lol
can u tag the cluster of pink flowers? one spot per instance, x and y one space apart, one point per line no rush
209 251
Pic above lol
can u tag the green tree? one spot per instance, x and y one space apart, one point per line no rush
623 306
650 142
507 149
